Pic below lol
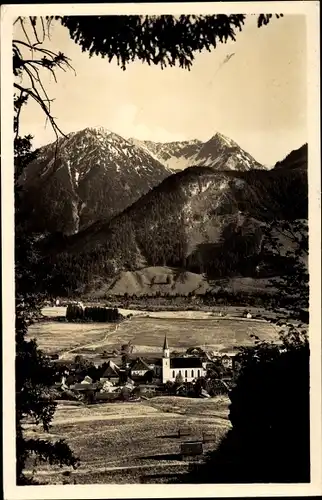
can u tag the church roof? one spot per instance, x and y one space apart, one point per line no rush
185 363
165 344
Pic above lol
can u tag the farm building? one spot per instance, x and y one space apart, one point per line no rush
191 450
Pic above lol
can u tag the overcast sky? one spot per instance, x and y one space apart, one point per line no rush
258 98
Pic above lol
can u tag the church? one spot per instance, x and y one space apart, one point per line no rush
190 368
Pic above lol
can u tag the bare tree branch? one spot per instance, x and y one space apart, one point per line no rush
42 104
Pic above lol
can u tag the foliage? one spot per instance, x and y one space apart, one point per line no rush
34 372
269 411
162 40
126 351
179 379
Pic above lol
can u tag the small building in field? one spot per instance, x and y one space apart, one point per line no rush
190 450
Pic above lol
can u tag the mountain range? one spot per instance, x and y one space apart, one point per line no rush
94 174
202 220
220 153
89 175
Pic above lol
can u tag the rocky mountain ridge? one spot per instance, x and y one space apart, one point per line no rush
88 175
219 152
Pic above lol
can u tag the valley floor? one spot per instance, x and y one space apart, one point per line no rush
138 442
146 331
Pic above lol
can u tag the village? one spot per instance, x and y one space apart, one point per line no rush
125 376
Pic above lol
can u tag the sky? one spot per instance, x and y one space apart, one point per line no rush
258 98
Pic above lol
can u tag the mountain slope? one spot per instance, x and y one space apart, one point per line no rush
94 174
176 155
296 159
219 152
199 219
223 153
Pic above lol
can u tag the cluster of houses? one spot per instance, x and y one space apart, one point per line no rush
150 374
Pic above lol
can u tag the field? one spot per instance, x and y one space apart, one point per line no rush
183 330
147 334
56 337
132 442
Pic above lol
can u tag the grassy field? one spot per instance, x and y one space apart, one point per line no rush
127 442
147 334
56 337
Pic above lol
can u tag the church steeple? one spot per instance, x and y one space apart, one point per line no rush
166 351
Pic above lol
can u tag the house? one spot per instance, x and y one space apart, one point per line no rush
107 386
111 373
189 368
87 380
155 364
73 379
80 387
139 368
227 361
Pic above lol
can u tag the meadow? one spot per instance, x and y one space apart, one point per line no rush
146 333
132 442
56 337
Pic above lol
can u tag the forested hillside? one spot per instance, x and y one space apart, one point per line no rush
198 219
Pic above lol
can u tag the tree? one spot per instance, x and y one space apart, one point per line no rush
269 404
34 372
169 388
179 379
269 412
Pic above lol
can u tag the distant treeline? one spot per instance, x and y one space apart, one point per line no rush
97 314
